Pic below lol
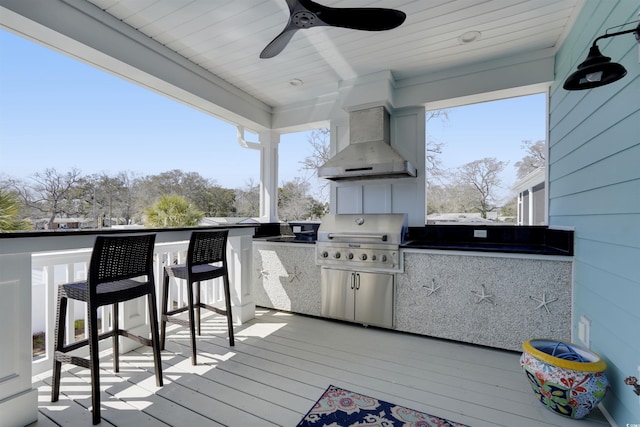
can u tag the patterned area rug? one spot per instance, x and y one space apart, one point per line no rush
344 408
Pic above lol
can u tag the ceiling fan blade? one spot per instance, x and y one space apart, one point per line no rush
368 19
307 13
292 5
279 43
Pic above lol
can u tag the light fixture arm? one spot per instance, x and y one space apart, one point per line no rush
618 33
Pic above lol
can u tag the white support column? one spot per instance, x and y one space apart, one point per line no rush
519 207
269 176
18 400
268 147
531 222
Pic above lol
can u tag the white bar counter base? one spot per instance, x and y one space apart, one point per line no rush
18 400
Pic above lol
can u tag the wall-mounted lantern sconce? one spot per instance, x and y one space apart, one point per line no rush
598 70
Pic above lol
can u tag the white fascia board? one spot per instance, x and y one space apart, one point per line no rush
487 81
509 77
529 181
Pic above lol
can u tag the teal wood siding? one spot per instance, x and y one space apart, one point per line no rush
594 186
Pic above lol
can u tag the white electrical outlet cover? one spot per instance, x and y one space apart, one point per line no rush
480 233
584 331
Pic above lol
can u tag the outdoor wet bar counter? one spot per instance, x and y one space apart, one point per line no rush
496 291
22 254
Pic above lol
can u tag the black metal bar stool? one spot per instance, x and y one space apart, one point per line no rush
205 248
117 265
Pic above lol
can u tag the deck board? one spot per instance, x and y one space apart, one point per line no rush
280 366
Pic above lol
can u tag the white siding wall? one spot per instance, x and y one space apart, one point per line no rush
594 186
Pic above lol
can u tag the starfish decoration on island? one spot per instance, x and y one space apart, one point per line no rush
483 295
294 275
543 301
433 289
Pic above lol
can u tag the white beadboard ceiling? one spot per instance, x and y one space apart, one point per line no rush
225 37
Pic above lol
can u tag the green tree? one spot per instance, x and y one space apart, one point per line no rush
10 219
433 163
483 176
534 158
294 201
172 211
216 201
53 193
440 199
318 209
510 209
320 141
109 197
247 200
205 195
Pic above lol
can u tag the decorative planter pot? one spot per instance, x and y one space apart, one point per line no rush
567 378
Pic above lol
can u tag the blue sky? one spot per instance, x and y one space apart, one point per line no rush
59 112
491 129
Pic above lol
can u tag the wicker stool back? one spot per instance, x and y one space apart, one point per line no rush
205 248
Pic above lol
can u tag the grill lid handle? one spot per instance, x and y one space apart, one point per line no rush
382 237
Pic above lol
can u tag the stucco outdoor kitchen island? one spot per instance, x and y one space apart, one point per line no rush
496 299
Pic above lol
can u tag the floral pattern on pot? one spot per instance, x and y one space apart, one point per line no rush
573 393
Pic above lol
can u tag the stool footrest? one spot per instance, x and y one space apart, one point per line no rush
177 321
63 357
79 344
177 310
137 338
214 309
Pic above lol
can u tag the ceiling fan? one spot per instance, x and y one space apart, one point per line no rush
307 14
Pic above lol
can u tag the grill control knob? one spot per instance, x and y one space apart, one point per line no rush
350 255
384 258
373 257
363 257
324 254
336 255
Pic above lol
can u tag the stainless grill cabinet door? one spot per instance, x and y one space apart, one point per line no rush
366 298
374 299
337 294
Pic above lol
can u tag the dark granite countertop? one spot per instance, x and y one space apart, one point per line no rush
290 239
293 232
499 238
540 240
485 247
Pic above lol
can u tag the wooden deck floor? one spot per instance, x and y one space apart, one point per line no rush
280 366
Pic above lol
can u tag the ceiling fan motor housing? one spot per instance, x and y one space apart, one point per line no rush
304 19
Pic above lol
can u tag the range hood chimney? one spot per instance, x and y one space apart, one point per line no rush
369 154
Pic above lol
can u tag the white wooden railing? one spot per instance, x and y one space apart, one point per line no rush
50 269
31 268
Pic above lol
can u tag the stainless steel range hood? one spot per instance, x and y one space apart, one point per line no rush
369 154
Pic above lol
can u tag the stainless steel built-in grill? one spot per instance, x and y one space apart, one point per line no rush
358 255
369 241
